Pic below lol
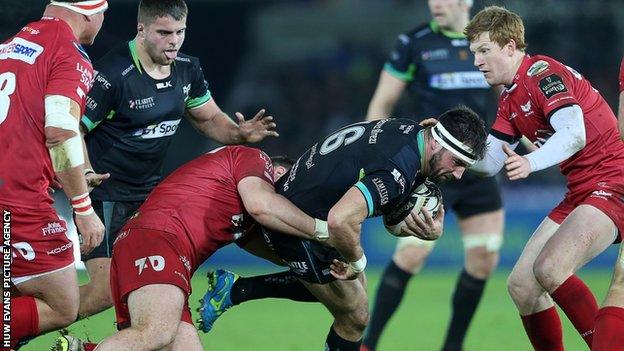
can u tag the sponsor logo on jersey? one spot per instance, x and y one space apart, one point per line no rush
310 161
127 70
31 30
459 42
20 49
162 129
53 228
382 190
398 177
299 267
513 115
406 128
292 175
60 249
186 90
372 139
142 104
185 261
182 59
552 85
104 83
237 226
433 55
463 55
156 262
601 194
537 68
526 107
91 104
86 75
458 80
164 85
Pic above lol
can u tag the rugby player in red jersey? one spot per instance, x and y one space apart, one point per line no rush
45 76
610 320
561 113
206 204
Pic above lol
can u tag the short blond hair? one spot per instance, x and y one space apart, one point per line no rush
502 24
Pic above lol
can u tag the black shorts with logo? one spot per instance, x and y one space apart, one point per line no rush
471 195
114 215
307 259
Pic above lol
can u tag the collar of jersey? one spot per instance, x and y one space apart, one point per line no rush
523 68
435 27
134 54
420 140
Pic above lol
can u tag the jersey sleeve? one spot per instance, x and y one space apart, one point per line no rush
250 162
622 75
71 75
199 93
502 128
400 63
101 101
382 189
553 89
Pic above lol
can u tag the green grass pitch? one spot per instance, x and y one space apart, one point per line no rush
418 325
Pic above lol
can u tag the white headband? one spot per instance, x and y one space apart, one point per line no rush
87 8
449 142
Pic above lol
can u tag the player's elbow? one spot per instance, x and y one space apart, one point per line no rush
578 141
259 209
56 136
339 223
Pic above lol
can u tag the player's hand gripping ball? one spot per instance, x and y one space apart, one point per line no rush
427 195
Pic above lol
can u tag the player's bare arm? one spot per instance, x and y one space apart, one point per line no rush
64 142
387 93
345 223
216 124
275 212
621 116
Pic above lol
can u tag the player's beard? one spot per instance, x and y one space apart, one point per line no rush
434 166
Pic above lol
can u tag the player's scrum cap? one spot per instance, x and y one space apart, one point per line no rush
87 8
449 142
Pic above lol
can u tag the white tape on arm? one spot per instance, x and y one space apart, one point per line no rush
359 265
69 153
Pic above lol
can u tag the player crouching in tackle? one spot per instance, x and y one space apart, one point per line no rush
206 204
363 170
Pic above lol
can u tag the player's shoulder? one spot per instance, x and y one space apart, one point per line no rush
416 34
540 66
116 63
186 61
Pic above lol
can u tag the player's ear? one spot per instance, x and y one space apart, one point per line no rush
141 29
511 47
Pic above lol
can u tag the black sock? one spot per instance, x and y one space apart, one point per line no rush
389 296
466 298
278 285
335 342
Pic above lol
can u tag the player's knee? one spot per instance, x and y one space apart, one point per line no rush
518 286
480 263
359 320
411 258
156 337
65 315
548 273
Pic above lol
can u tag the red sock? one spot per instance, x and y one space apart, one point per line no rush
579 304
24 317
544 330
89 346
609 329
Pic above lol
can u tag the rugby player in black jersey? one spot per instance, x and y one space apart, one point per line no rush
362 170
434 64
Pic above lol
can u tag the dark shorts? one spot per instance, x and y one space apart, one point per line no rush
307 259
114 215
472 195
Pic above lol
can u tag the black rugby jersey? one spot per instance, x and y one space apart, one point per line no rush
381 158
438 67
131 118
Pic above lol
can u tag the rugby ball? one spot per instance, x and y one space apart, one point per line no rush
427 195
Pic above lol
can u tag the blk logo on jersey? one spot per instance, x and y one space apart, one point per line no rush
163 129
157 263
163 85
20 49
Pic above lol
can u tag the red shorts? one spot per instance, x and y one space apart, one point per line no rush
39 243
142 257
606 196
